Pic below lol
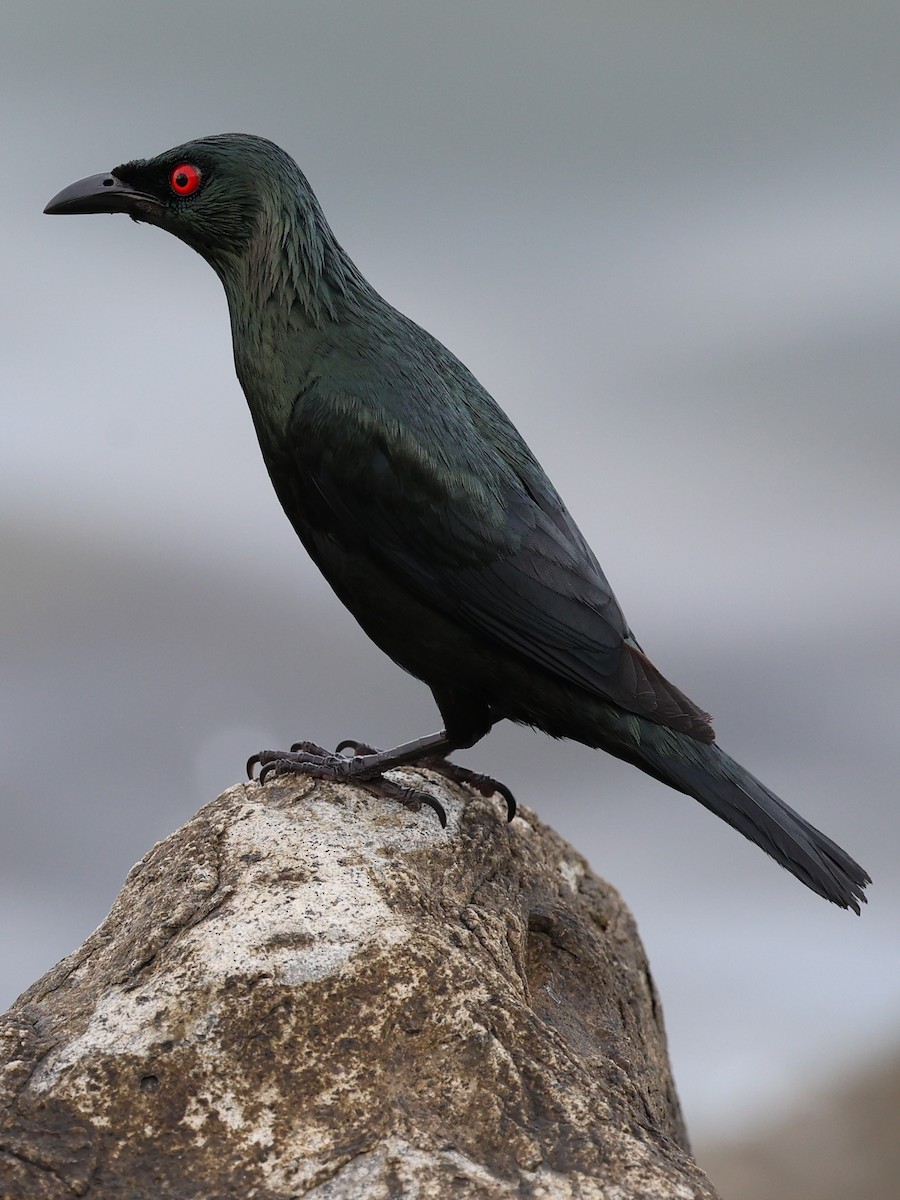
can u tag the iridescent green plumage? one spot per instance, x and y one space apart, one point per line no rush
424 508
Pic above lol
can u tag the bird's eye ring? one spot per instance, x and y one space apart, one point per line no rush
185 179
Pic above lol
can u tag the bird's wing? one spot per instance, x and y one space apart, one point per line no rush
495 550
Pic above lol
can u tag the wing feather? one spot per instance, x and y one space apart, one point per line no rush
505 559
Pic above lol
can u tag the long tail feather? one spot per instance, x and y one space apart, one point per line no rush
726 788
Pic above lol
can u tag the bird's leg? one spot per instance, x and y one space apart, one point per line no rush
306 758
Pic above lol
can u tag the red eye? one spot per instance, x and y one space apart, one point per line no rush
185 179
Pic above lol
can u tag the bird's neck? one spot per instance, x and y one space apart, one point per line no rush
274 343
288 287
291 267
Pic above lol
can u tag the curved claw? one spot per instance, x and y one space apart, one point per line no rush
436 806
410 797
273 767
264 772
358 748
507 795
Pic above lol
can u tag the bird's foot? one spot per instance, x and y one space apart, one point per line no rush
308 758
473 779
441 765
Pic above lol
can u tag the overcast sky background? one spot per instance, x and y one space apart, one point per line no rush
667 239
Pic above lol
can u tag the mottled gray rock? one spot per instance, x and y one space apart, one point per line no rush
309 991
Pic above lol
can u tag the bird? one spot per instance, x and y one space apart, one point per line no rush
425 510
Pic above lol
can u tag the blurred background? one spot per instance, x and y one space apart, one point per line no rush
667 239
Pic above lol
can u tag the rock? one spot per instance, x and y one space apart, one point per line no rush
310 991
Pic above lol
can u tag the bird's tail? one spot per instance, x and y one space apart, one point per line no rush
724 787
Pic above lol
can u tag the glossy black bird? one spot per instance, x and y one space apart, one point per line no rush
423 507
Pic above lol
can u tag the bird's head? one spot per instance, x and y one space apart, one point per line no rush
237 199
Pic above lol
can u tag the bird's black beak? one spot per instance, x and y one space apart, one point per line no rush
104 194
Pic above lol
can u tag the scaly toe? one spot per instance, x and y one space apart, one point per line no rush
310 748
409 797
303 762
483 784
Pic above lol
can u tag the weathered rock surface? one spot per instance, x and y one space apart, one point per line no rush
308 991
